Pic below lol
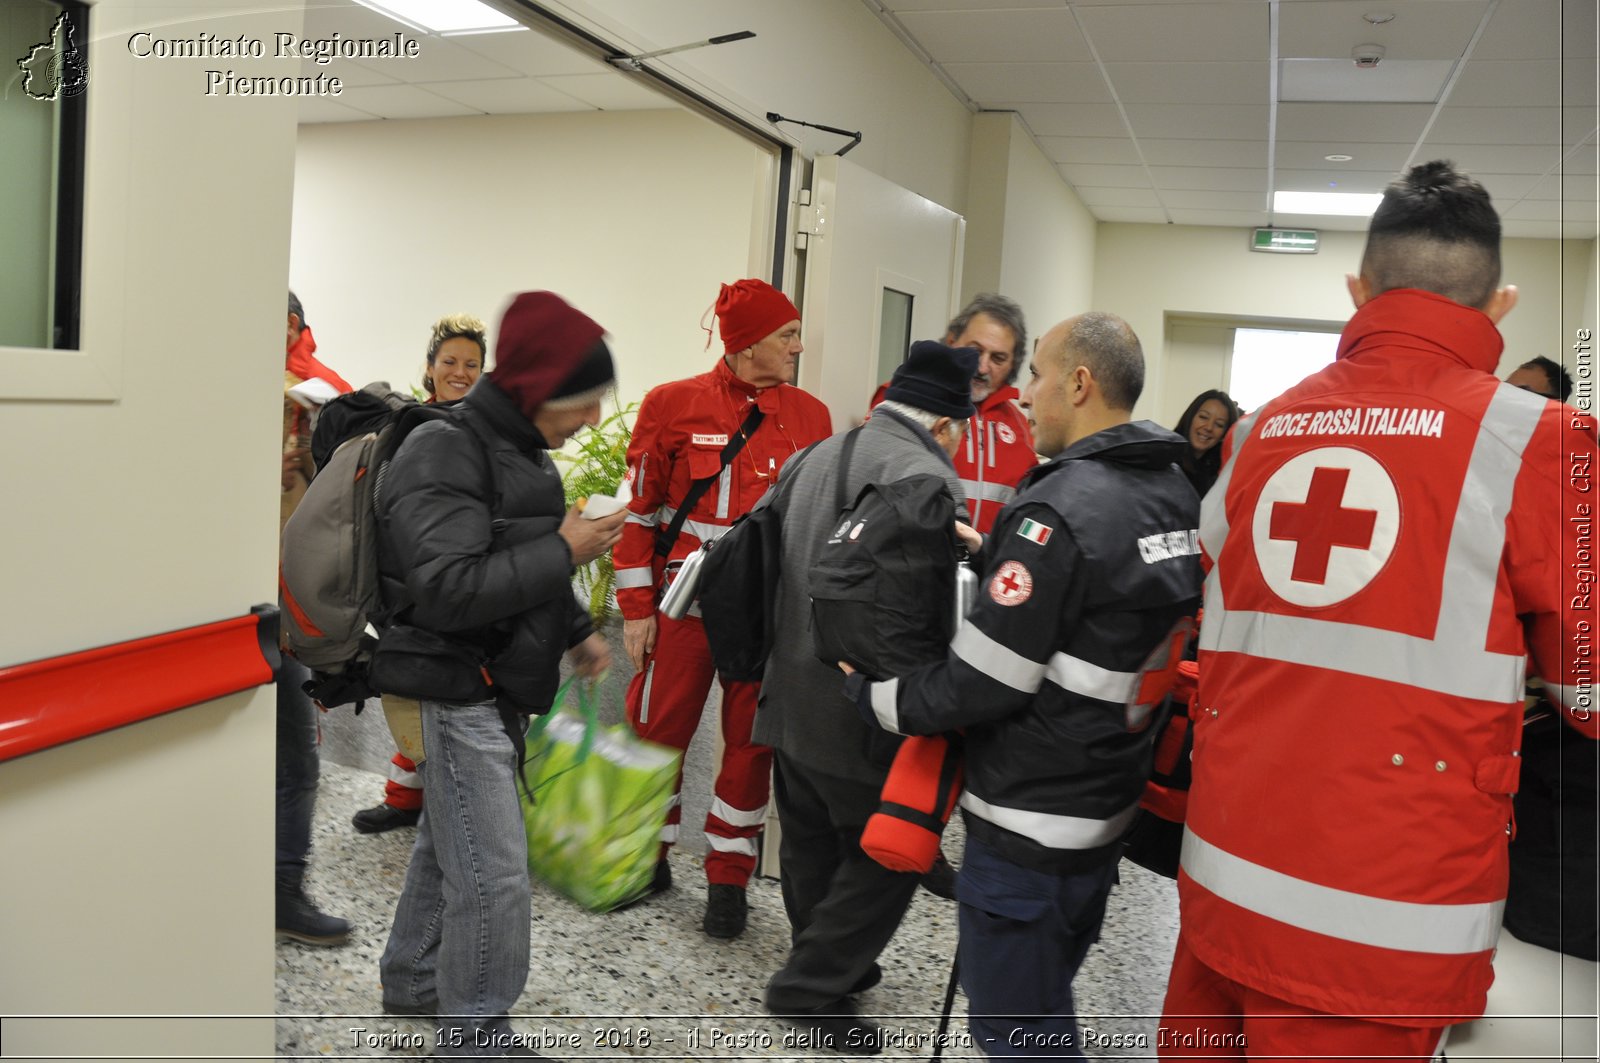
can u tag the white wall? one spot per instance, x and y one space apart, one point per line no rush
634 217
1151 273
1029 236
138 870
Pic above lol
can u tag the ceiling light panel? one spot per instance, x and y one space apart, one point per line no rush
1336 204
445 16
1341 81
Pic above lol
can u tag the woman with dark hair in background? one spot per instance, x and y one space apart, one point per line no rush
1204 424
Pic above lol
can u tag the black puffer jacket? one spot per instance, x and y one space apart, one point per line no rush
473 572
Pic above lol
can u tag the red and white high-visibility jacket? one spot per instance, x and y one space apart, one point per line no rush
678 438
1392 538
996 452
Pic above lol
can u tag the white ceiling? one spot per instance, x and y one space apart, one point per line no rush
1163 111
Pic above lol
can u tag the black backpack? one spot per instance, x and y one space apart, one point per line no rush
883 585
738 583
353 415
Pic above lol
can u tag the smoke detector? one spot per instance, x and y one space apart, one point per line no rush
1367 56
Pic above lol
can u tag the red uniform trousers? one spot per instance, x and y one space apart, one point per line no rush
664 705
404 788
1209 1016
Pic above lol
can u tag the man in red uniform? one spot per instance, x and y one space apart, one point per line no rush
998 447
1392 539
728 431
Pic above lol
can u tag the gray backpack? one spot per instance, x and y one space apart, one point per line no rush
328 567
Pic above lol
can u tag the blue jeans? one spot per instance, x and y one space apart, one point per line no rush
459 947
297 769
1024 934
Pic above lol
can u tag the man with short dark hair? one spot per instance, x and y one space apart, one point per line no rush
1543 376
1372 604
843 906
1088 571
475 553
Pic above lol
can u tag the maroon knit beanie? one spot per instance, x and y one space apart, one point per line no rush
542 344
749 311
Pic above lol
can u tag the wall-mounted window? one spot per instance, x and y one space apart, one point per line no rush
43 82
1268 362
894 331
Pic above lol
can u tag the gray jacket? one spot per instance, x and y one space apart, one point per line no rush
803 710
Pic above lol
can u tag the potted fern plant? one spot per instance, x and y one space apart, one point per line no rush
594 464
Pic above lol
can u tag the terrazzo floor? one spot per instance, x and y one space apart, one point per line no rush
647 983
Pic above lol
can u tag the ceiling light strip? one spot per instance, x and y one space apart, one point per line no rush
1272 106
1450 83
1122 112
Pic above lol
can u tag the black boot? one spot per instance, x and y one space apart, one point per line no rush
726 910
385 817
300 920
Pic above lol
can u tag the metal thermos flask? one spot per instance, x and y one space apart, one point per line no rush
966 591
684 586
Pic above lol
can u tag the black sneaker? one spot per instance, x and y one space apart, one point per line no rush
385 817
726 910
836 1027
300 920
940 879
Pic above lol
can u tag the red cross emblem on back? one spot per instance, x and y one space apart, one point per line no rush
1320 523
1324 525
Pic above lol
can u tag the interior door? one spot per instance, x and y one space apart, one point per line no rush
882 268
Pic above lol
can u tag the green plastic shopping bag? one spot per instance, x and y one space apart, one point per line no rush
599 799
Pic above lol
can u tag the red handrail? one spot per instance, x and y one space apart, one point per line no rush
61 699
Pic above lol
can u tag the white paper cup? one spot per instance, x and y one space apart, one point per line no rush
601 506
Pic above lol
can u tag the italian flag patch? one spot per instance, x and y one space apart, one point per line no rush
1035 532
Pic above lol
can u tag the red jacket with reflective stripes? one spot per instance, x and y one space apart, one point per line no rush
1392 538
678 437
996 452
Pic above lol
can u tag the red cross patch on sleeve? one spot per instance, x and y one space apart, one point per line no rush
1012 584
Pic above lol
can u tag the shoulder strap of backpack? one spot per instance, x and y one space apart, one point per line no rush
669 537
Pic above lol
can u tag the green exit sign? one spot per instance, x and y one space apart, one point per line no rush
1285 241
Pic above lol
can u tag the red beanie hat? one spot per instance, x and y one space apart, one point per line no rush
749 311
542 344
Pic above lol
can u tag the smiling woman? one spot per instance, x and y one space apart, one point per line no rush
455 357
1204 425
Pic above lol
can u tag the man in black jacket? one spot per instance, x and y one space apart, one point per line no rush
1045 678
476 552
